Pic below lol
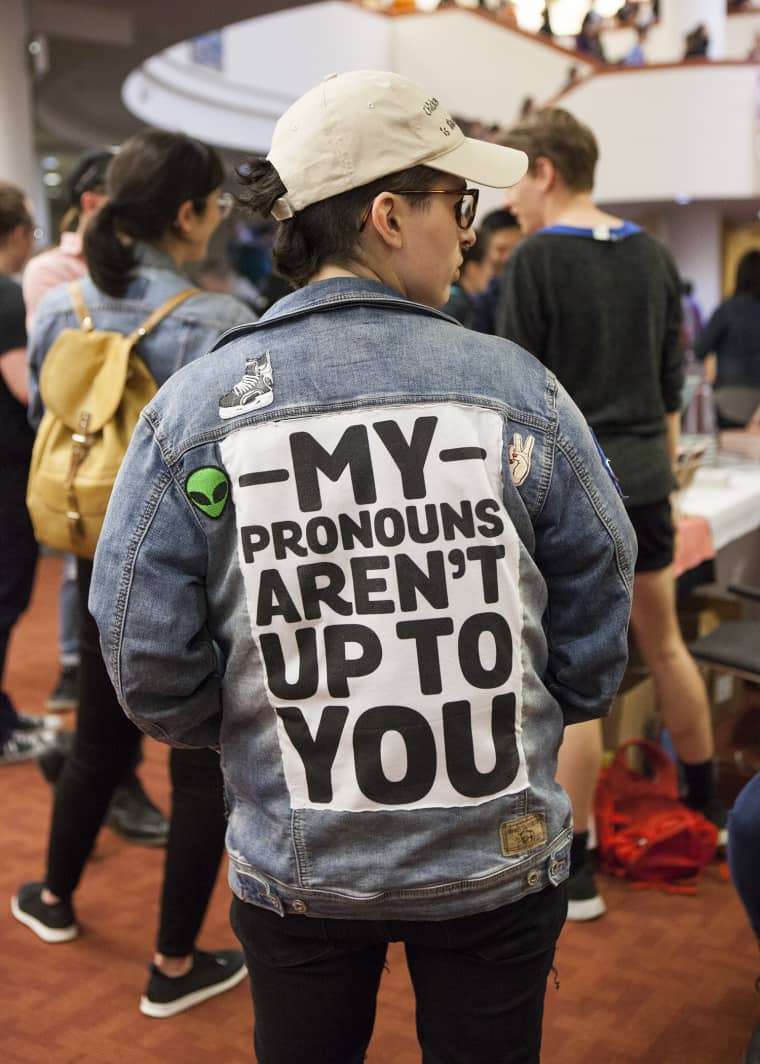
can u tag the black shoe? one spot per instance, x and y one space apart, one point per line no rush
715 811
25 746
752 1055
584 900
66 693
134 817
51 923
52 760
31 722
211 974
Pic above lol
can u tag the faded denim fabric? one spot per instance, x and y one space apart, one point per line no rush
188 332
381 590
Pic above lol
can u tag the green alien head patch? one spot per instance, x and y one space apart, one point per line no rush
209 490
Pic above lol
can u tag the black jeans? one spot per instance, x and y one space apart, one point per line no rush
105 745
479 982
18 559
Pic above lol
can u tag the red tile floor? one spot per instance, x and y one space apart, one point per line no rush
662 978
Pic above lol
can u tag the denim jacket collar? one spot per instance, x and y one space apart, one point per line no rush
336 290
152 257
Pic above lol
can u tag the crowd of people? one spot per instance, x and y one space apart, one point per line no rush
348 501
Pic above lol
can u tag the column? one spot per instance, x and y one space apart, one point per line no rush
17 158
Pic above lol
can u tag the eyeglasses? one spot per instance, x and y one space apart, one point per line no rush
225 203
465 207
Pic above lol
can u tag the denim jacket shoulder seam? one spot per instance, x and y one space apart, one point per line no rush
565 445
173 453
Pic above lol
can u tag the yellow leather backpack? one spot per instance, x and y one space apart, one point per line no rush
93 386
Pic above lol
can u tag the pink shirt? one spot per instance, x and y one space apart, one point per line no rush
56 266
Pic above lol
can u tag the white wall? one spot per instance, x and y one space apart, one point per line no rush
478 69
293 50
688 130
664 133
740 34
694 235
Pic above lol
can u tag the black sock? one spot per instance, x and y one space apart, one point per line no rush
700 782
578 850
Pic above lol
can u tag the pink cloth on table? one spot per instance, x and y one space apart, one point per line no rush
694 543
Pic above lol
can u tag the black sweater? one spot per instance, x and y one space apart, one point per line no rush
605 316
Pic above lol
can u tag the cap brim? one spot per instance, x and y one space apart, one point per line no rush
487 164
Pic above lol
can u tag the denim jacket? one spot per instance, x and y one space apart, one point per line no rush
188 332
376 559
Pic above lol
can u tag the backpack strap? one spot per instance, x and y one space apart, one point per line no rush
83 314
86 322
162 312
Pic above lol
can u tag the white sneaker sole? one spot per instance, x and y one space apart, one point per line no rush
260 401
588 909
47 934
161 1011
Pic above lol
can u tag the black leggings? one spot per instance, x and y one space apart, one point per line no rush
105 747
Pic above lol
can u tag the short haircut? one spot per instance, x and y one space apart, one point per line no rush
13 209
557 135
502 218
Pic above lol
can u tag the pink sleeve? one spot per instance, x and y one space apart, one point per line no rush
39 277
44 272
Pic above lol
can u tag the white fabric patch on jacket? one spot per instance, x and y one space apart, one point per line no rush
381 574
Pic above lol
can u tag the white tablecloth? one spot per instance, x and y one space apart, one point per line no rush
728 495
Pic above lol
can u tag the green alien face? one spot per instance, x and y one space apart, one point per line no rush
209 490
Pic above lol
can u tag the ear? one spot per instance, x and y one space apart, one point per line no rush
385 217
90 201
545 173
186 216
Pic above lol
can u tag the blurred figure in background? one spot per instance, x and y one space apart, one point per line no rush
697 43
499 234
744 861
164 203
474 276
730 342
85 193
597 300
21 736
132 814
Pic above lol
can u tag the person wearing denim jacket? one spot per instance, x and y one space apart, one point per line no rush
377 559
164 203
192 327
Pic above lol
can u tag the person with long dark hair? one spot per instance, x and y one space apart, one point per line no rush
164 202
131 814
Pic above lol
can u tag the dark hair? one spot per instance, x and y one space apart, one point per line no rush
557 135
748 274
326 231
147 182
13 209
88 175
476 252
501 218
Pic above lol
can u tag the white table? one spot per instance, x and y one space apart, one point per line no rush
726 491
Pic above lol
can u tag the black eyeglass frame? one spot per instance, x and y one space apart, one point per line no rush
463 221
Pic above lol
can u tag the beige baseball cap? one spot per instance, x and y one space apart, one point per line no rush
355 127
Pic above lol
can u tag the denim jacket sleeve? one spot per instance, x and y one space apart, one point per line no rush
586 550
148 599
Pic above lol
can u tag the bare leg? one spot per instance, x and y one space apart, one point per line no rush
681 692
